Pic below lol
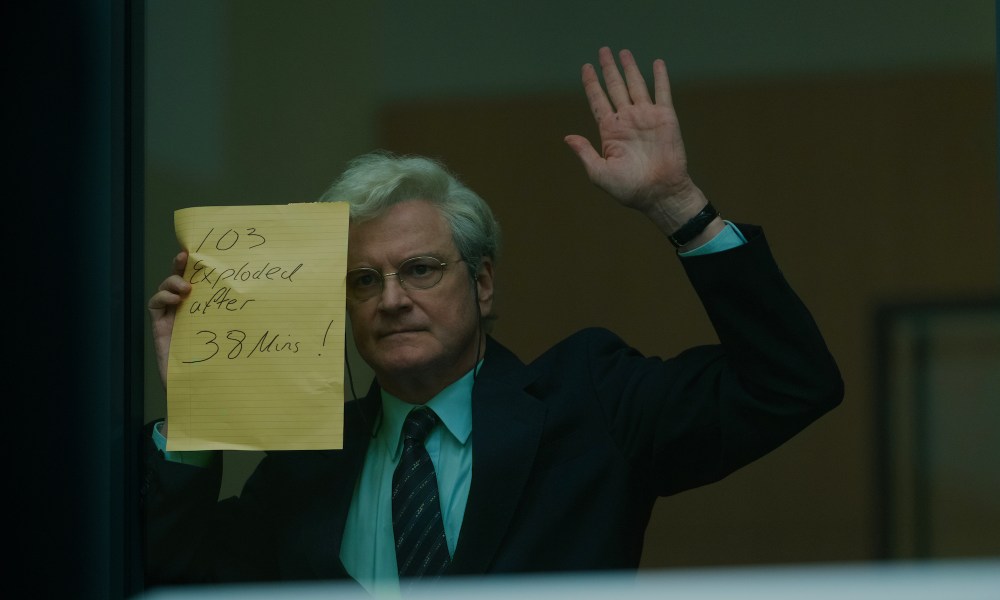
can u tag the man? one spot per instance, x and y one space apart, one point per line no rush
543 467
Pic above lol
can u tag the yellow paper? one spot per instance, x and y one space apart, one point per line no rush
257 351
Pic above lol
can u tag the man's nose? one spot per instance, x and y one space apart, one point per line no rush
393 295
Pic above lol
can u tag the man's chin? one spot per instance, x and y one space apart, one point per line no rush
405 359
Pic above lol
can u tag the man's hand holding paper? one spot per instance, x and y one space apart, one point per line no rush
249 329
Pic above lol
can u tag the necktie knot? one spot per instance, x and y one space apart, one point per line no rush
419 424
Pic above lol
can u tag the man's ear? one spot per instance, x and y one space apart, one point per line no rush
484 286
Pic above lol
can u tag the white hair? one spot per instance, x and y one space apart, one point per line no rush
375 182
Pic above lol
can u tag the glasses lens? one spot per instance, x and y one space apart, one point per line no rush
363 283
421 272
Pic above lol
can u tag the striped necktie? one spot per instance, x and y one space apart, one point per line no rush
421 547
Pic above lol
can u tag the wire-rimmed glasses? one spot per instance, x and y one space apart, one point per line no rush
417 273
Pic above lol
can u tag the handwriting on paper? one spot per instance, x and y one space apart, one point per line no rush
256 358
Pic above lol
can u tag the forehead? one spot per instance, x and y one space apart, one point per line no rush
406 229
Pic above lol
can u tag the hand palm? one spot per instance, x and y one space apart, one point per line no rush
642 158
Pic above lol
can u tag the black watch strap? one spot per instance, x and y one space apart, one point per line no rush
695 226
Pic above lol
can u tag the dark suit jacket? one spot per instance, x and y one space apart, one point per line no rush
569 452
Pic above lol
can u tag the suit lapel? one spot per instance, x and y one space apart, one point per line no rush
344 467
507 425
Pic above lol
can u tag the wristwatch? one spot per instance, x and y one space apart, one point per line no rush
695 226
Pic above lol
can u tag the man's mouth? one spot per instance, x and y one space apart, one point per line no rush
393 332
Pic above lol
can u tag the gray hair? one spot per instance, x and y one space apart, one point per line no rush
375 182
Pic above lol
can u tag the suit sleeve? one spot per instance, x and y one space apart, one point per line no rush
695 418
191 536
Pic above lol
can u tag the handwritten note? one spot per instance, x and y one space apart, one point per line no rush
257 352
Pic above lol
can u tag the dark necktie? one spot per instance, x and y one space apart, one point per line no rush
421 547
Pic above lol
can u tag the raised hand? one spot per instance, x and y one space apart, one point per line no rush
642 162
162 308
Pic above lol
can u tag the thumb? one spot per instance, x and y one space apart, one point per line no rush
591 160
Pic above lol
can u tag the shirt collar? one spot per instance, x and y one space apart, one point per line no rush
453 405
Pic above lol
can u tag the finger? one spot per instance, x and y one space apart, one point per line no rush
175 284
180 262
617 91
164 299
633 77
661 84
599 105
591 160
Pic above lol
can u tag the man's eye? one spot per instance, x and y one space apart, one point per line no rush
362 280
420 270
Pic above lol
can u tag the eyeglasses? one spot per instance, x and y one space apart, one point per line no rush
417 273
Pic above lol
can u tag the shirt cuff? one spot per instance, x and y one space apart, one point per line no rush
195 458
730 237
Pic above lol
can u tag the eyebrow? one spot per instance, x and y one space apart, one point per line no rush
435 255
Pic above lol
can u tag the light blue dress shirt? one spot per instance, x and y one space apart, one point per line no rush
368 548
729 237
